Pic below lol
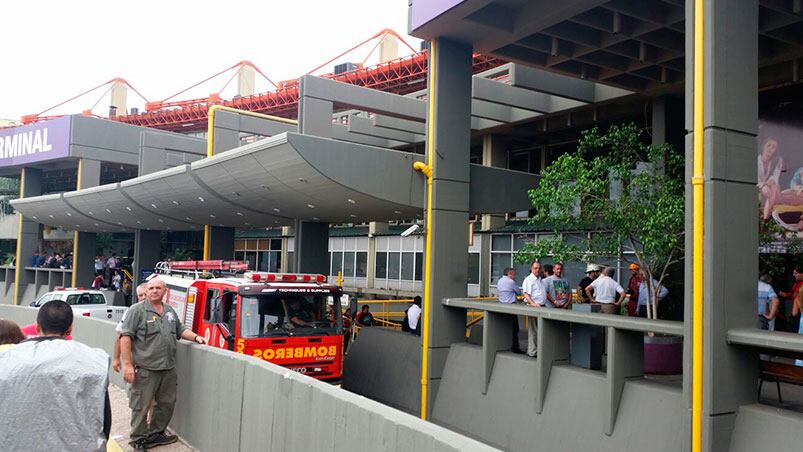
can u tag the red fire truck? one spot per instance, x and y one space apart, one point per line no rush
279 317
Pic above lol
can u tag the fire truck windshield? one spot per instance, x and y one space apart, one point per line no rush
284 314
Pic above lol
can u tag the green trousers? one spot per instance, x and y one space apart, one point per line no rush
159 387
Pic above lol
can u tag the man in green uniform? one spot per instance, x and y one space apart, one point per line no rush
149 335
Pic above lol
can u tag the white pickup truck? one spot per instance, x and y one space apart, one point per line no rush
87 303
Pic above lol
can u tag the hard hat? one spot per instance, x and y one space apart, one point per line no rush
633 266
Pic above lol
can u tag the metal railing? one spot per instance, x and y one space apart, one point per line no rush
625 343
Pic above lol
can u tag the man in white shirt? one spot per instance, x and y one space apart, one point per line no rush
604 290
414 315
535 296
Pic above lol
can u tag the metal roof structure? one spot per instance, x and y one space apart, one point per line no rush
351 173
633 44
268 183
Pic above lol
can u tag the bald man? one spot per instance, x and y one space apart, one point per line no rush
149 335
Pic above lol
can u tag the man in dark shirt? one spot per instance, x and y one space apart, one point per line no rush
365 318
299 314
592 272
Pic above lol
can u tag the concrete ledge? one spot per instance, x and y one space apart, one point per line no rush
385 365
234 402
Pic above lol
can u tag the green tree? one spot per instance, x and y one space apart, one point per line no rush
629 192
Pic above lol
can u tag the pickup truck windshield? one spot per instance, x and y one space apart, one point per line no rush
285 314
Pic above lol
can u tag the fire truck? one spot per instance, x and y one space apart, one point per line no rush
282 318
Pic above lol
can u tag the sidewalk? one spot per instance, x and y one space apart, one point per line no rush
121 425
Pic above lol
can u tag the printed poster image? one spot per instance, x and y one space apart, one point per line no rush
780 173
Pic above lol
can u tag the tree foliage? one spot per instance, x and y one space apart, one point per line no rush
630 192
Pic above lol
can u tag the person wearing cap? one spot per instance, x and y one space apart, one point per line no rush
592 272
604 290
633 288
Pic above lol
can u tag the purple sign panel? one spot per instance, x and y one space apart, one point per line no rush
424 11
35 142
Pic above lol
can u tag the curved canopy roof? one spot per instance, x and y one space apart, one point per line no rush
271 183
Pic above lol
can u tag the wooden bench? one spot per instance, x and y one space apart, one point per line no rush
779 372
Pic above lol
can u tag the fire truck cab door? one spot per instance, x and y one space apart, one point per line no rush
227 318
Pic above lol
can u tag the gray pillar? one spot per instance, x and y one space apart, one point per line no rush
221 243
314 115
83 268
147 249
730 225
28 235
494 153
450 69
667 121
485 265
311 253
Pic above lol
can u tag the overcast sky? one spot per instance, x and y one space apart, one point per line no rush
53 50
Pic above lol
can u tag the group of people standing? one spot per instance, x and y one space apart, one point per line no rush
47 260
545 287
70 377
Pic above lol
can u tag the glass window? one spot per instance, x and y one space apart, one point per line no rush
348 263
42 300
474 268
394 262
211 297
498 263
276 244
239 245
269 315
251 257
381 265
85 298
500 243
419 266
337 262
407 268
291 265
361 266
520 240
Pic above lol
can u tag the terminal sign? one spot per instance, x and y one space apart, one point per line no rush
35 142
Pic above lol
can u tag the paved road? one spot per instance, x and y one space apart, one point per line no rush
121 425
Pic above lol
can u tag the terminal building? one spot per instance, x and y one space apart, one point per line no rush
334 189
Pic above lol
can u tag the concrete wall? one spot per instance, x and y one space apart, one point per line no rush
651 415
9 225
233 402
385 365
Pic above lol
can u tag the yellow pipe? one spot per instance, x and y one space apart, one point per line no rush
210 146
75 233
698 187
19 262
427 170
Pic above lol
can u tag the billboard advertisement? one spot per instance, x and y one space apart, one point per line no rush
35 142
780 172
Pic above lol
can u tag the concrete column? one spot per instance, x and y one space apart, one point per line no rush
220 243
485 265
667 121
311 247
494 153
83 251
245 81
119 97
147 249
314 115
731 218
449 84
28 234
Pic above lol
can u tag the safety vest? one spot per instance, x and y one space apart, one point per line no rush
53 394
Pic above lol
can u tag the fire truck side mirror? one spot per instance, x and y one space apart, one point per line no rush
227 336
